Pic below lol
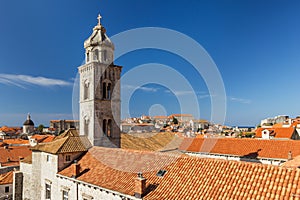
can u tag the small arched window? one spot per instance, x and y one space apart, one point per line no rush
104 127
104 90
86 126
87 57
104 55
86 90
109 91
109 128
96 54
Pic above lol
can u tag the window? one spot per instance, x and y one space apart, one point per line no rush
109 128
161 173
68 158
7 189
104 91
65 195
48 191
104 55
48 158
109 91
96 53
87 57
104 127
86 90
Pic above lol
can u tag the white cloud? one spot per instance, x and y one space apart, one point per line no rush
240 100
143 88
22 80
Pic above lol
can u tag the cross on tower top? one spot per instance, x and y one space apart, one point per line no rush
99 19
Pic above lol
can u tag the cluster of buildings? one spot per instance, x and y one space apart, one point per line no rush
88 163
183 123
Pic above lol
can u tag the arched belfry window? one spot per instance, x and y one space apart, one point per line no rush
104 55
104 127
109 128
109 91
96 54
104 90
86 92
86 126
87 57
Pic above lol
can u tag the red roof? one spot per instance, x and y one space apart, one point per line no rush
186 177
277 132
16 141
6 178
243 147
10 156
43 138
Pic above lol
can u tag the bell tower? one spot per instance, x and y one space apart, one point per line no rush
100 91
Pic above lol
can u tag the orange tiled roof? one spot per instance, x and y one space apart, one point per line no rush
64 145
293 163
243 147
181 115
160 117
6 178
186 177
11 155
277 132
16 141
43 138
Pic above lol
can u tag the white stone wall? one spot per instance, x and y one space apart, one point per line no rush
269 161
2 190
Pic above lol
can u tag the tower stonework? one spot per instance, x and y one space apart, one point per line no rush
100 91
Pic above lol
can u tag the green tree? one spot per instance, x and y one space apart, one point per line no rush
40 128
175 120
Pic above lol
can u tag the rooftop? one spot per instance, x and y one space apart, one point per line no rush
186 177
6 178
243 147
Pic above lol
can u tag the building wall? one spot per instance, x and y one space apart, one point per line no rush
78 189
2 190
269 161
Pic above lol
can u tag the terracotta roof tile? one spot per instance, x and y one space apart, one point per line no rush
277 132
64 145
16 141
43 138
243 147
186 177
6 178
10 156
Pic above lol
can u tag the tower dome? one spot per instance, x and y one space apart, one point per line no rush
98 46
28 121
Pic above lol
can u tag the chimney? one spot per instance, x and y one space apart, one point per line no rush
290 155
75 169
140 185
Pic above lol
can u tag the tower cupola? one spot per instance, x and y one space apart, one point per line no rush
98 47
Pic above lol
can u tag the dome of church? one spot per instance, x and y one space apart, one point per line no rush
98 37
28 122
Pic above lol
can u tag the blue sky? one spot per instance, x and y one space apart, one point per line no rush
254 44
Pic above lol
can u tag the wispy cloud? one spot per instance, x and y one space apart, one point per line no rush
143 88
240 100
180 93
22 80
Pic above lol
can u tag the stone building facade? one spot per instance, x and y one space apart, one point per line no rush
100 91
62 125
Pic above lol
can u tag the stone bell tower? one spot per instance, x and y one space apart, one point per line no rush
100 91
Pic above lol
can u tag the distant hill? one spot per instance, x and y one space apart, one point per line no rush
162 141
